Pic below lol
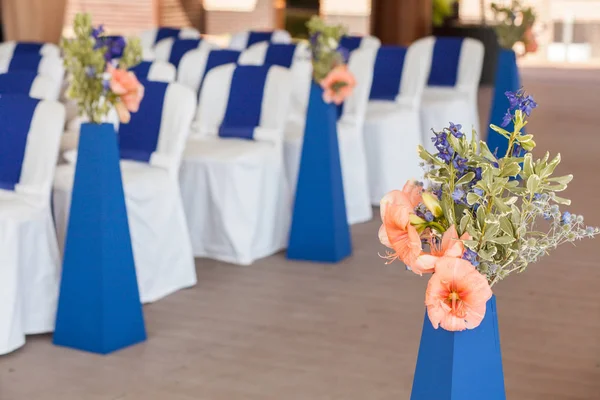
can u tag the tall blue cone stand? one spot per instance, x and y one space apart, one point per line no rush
99 307
507 79
320 230
463 365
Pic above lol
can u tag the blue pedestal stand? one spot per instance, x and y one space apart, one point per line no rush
320 230
507 79
99 307
463 365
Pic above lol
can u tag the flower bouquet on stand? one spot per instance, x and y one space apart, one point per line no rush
99 307
320 229
471 224
514 28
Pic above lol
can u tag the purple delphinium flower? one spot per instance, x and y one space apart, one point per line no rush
106 84
460 164
512 98
437 191
516 151
477 172
428 216
520 101
455 130
471 257
96 32
344 53
458 195
507 118
527 105
478 191
445 156
90 71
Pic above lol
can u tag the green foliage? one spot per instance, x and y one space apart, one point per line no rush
442 9
512 22
324 42
86 65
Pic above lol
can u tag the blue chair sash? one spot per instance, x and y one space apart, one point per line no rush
387 73
24 62
217 58
280 54
139 138
142 70
257 37
245 102
163 33
444 63
180 47
16 114
350 43
28 47
18 82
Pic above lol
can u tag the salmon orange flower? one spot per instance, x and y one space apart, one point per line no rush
531 44
456 295
337 85
130 91
451 246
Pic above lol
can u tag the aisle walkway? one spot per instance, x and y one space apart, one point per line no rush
289 331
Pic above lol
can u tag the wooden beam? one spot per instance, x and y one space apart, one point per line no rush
401 22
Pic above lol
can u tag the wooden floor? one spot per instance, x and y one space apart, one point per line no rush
280 330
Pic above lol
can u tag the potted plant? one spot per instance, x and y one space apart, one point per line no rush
470 225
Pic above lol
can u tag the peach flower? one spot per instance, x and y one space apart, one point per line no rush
451 246
456 295
125 85
337 85
396 232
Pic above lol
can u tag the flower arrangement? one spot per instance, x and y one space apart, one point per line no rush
97 65
478 218
441 10
329 60
514 24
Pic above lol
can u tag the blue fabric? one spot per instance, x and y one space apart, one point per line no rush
99 307
280 54
320 230
245 102
24 62
16 113
180 47
387 73
217 58
350 43
444 63
138 139
142 70
163 33
28 47
257 37
463 365
507 79
18 82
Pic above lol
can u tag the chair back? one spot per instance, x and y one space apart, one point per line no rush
456 62
29 83
157 71
43 65
172 50
195 65
242 40
8 49
149 38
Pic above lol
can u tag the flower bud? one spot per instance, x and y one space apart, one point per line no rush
415 220
432 204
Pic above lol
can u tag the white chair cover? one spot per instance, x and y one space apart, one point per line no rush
159 235
163 49
29 83
195 64
7 49
234 190
350 137
242 40
157 71
458 104
148 38
393 128
29 257
48 65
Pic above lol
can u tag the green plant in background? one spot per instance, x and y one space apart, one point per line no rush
442 9
325 46
88 56
514 25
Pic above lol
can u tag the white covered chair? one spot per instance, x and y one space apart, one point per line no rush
297 58
236 197
350 138
157 71
10 48
151 145
351 43
31 84
242 40
150 37
44 65
393 127
195 64
29 256
172 50
451 92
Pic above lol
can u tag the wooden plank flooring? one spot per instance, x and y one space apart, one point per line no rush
281 330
